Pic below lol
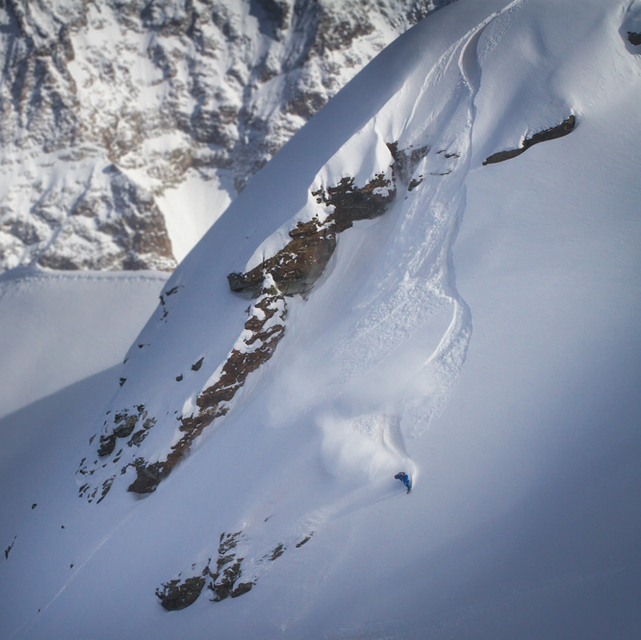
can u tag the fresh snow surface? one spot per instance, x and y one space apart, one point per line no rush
190 209
59 328
482 335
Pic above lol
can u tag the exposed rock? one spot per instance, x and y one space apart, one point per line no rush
266 324
137 438
502 156
352 203
305 540
241 589
223 584
406 160
560 130
227 542
266 328
277 552
125 220
634 38
177 594
297 266
124 424
106 485
223 580
107 445
174 595
277 12
7 551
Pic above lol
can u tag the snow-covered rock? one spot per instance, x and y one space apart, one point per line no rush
127 128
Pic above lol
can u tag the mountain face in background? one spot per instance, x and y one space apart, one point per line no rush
439 275
127 127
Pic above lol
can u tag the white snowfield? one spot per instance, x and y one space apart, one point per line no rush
60 327
483 335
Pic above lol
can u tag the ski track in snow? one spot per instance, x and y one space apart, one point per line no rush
73 576
449 357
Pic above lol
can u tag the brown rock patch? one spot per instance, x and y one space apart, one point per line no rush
563 129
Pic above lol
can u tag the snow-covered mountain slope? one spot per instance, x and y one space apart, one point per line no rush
445 273
126 128
59 328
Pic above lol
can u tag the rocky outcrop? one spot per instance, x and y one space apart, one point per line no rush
223 581
353 203
125 423
175 595
7 551
292 271
123 219
223 578
560 130
105 106
406 160
634 38
295 268
262 332
122 430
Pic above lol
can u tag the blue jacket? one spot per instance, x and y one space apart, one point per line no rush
404 478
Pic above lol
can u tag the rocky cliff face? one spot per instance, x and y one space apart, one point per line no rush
110 113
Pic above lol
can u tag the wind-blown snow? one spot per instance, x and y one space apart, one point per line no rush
482 334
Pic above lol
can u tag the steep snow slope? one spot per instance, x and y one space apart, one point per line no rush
401 284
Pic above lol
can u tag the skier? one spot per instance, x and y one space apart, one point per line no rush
405 479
